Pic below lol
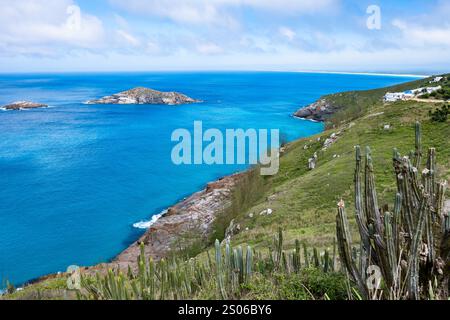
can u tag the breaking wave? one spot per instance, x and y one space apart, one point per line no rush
148 224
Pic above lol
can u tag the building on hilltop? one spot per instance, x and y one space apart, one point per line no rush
437 79
409 94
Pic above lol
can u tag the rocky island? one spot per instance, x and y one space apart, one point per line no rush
23 105
145 96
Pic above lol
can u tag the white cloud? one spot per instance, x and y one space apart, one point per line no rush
209 49
418 35
287 6
203 34
219 12
190 12
152 47
32 27
128 38
287 33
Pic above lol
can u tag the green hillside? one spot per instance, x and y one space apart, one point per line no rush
355 104
304 201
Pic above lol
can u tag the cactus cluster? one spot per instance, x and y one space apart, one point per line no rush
223 276
233 269
293 261
410 245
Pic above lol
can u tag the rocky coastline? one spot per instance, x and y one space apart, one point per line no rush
187 222
23 105
319 111
142 95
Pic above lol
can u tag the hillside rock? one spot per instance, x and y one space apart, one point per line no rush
318 111
22 105
145 96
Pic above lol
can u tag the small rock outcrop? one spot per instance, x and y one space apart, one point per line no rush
232 230
144 96
318 111
23 105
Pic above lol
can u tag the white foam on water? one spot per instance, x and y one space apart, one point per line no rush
304 119
148 224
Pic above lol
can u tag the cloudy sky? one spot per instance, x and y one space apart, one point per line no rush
142 35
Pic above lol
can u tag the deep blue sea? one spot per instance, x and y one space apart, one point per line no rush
74 178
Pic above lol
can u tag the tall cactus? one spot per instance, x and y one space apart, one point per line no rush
219 271
411 245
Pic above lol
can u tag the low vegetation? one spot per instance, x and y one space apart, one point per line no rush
230 273
441 94
440 114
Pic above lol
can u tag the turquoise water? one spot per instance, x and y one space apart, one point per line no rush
74 178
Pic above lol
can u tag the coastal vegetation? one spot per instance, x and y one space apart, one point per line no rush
226 273
442 94
440 114
250 263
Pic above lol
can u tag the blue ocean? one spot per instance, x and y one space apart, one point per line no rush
74 178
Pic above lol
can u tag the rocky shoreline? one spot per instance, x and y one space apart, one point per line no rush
187 222
319 111
142 95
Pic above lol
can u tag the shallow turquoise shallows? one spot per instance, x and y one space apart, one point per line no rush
74 178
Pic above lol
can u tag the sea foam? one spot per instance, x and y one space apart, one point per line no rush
148 224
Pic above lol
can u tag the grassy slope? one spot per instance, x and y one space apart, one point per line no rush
356 103
304 202
52 288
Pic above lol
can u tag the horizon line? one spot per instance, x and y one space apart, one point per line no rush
396 74
371 73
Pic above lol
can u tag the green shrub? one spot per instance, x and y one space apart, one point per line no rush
310 284
440 115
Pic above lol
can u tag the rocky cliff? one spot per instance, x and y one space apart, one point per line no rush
144 96
318 111
22 105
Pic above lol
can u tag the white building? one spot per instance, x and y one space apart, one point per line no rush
409 94
394 96
437 79
420 91
433 89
